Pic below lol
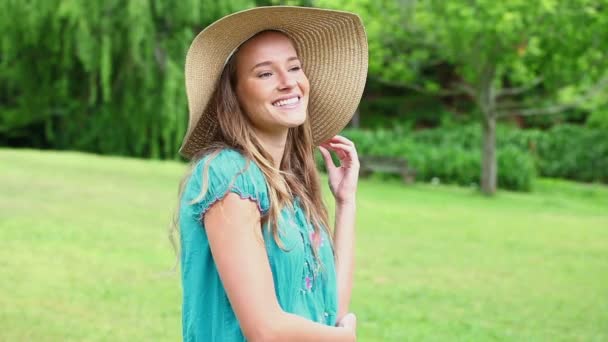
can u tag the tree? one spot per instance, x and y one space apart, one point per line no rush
512 57
101 75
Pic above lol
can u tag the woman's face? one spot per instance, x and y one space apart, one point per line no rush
271 86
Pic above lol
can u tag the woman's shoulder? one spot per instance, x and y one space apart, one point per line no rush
228 161
220 156
229 170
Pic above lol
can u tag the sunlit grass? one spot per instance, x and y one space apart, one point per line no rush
85 256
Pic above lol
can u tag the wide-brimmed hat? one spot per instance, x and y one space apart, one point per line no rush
332 46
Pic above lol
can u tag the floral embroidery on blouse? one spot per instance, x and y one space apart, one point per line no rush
313 266
316 238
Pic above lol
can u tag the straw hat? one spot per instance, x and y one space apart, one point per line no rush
332 46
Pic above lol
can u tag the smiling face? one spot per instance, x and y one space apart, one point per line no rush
270 84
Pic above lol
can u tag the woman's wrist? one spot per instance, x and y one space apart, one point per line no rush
351 201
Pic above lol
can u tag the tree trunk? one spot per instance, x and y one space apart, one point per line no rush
487 102
488 157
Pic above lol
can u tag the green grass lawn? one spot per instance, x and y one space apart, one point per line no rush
85 256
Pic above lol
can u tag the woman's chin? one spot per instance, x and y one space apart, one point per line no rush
294 120
296 123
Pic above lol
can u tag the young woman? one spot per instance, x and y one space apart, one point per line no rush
258 259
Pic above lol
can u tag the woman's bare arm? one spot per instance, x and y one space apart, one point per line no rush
343 181
344 248
235 236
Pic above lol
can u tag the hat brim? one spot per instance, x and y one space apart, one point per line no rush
332 46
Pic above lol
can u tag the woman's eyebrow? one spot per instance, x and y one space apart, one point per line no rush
265 63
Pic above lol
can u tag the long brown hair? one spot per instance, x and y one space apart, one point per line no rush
296 177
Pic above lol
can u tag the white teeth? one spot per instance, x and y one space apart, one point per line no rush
292 100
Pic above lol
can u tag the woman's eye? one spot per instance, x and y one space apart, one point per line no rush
264 75
295 68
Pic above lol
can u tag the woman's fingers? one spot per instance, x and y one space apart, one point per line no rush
345 152
344 148
327 157
341 139
340 142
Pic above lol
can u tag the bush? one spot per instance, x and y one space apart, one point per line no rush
516 169
565 151
439 157
453 154
574 152
598 119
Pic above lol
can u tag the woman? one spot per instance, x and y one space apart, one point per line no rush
258 261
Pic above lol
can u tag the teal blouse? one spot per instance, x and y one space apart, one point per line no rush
303 286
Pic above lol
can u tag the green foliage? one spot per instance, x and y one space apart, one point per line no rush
575 153
448 156
453 155
436 44
599 119
102 76
107 76
516 169
565 151
414 110
507 57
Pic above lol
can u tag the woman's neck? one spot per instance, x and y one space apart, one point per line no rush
274 144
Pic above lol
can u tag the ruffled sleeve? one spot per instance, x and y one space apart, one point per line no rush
226 172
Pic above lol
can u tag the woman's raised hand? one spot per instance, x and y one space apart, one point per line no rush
342 179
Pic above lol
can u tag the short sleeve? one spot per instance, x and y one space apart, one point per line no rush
228 171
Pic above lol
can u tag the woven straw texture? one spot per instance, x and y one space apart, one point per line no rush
332 46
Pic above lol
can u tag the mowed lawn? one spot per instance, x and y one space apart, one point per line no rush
85 256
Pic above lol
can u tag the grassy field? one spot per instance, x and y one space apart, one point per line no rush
85 256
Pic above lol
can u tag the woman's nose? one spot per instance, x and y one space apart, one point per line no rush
287 80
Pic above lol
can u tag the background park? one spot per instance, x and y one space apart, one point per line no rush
499 109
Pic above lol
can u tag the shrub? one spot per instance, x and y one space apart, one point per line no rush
516 169
565 151
574 152
436 156
598 119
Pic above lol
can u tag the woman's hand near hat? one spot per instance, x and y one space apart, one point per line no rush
342 179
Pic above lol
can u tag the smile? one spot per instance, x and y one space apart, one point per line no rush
287 103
